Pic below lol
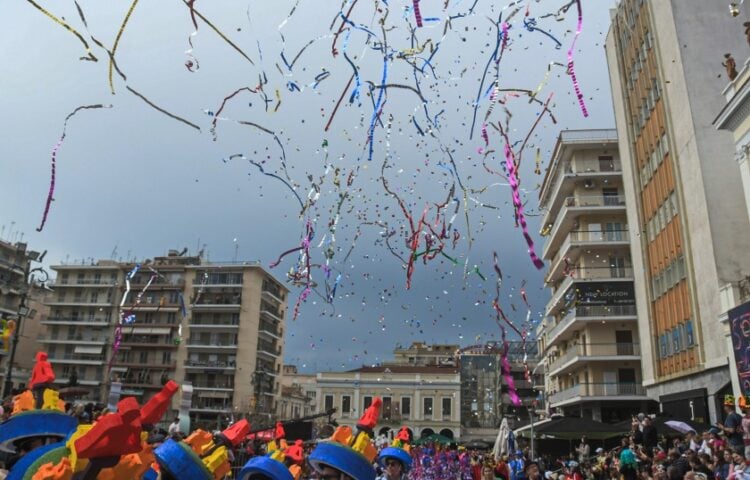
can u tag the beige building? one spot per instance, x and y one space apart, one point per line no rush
590 341
420 353
298 392
424 398
217 325
688 218
735 118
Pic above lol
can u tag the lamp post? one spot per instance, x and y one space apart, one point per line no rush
23 312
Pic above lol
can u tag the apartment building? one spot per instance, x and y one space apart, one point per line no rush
485 399
424 398
590 336
218 326
15 261
420 353
297 393
688 225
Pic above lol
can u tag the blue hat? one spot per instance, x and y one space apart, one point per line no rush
342 458
267 466
179 460
397 454
35 423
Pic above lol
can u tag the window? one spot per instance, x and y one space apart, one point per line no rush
94 297
427 407
405 407
143 356
663 346
346 404
97 278
328 402
676 340
689 337
368 402
447 403
166 358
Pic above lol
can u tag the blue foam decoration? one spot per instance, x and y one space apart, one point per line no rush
180 461
35 423
150 475
266 466
342 458
22 466
396 453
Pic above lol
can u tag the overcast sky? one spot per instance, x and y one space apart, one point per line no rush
134 182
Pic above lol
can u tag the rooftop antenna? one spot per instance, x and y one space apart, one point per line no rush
2 231
113 255
10 230
236 250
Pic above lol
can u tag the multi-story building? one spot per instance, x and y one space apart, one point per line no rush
485 399
590 340
688 225
217 325
424 398
420 353
15 262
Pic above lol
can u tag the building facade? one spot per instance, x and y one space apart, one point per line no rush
420 353
485 399
298 391
424 398
218 326
590 337
688 217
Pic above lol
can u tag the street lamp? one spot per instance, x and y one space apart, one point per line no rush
23 312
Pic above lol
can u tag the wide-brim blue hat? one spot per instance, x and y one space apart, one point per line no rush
342 458
35 423
266 466
396 453
29 464
179 460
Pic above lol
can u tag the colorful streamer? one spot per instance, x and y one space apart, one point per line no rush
513 180
572 71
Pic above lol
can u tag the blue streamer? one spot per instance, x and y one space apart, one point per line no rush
376 109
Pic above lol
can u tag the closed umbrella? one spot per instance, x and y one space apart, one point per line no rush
501 442
681 427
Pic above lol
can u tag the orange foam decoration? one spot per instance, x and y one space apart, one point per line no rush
237 432
130 466
42 372
62 471
114 434
222 471
370 417
200 441
23 402
342 435
296 453
296 471
157 406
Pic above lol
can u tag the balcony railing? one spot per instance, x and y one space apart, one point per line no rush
584 390
195 343
596 201
579 237
596 350
209 364
589 311
583 274
583 167
76 320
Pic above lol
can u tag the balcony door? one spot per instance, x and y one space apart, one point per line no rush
617 267
611 196
610 383
626 379
614 231
624 341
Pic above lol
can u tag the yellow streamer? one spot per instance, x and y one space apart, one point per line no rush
117 41
67 27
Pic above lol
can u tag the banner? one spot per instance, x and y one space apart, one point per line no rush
739 325
600 293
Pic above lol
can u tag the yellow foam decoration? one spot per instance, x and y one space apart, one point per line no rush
78 464
61 471
271 446
217 462
363 444
52 400
279 456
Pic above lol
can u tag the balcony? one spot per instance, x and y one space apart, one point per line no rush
268 349
209 323
78 302
269 329
574 206
272 294
598 391
271 315
578 240
83 282
209 365
592 313
578 355
11 266
196 343
586 274
91 322
212 302
9 308
133 363
77 340
72 359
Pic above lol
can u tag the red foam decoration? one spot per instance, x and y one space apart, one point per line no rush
371 415
114 434
296 453
279 432
403 435
42 372
237 432
157 406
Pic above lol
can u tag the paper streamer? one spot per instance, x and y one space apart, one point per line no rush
572 71
513 180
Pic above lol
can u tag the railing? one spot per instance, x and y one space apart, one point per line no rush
10 264
268 327
219 300
208 322
77 356
77 338
582 167
194 342
582 274
583 236
208 364
593 135
83 320
596 201
268 348
590 311
225 385
596 350
598 390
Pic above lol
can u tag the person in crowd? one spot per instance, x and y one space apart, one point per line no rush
583 450
174 427
502 470
532 471
732 426
517 466
488 473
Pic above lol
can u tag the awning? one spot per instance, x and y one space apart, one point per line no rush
89 349
149 331
213 394
570 428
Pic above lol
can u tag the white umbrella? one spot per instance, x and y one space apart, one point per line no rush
501 442
681 427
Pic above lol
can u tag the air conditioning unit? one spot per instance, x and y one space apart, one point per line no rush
589 184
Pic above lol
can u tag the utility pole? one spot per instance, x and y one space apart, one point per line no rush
23 311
